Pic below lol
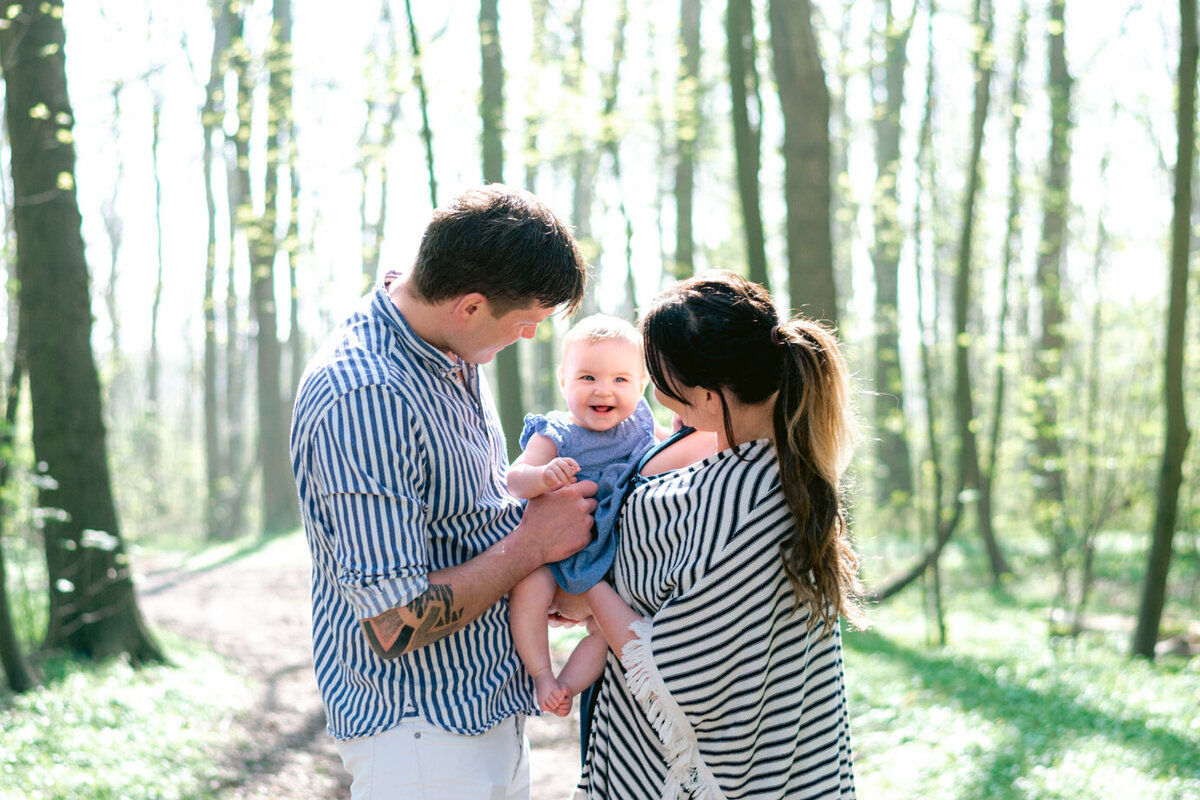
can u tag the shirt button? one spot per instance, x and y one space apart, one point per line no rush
417 735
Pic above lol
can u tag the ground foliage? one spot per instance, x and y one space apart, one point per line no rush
111 732
1005 711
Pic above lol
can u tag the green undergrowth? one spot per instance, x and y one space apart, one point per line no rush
111 732
1006 712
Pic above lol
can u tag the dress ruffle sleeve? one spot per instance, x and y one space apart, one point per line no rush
544 425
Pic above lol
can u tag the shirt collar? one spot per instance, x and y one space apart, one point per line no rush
407 339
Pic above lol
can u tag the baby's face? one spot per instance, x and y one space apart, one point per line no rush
602 382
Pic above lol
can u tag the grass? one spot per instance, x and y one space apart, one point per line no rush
1003 712
1006 713
110 732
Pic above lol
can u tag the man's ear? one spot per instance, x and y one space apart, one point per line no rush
466 308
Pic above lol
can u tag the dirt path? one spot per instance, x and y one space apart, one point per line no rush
254 611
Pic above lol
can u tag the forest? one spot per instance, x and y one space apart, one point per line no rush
990 200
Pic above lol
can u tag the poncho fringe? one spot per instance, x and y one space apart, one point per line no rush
686 769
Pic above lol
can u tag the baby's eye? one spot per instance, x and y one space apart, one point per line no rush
587 378
622 380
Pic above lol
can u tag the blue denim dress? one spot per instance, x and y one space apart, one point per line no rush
608 458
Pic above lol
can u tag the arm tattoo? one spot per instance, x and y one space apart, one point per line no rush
423 621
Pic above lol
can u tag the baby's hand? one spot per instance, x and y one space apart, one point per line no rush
559 472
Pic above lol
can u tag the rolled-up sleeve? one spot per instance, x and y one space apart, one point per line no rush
369 454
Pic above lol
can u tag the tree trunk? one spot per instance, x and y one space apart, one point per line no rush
1154 589
1012 241
491 110
215 464
280 510
1048 358
687 129
581 152
93 607
20 675
237 160
544 390
374 153
964 407
419 80
808 191
747 130
894 483
611 142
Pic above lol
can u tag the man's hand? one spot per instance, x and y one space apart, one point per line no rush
558 524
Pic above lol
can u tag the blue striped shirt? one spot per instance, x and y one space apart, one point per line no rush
400 463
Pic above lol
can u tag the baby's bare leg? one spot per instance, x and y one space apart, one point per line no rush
586 664
583 668
528 605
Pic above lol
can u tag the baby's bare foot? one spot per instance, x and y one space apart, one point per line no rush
549 693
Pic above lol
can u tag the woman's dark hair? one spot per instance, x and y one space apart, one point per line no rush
503 243
720 332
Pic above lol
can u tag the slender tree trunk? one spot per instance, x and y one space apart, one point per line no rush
943 516
296 345
237 156
894 484
419 80
152 362
1012 240
375 152
742 47
544 389
93 606
1154 589
581 152
280 510
808 191
211 118
114 230
687 129
963 402
491 110
1048 358
612 145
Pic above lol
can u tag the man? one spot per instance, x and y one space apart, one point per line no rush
400 463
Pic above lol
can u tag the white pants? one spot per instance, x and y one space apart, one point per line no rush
418 761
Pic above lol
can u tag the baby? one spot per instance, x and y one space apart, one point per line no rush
607 428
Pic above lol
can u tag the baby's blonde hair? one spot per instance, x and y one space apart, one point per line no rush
603 328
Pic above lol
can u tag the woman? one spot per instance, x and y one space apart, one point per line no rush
732 572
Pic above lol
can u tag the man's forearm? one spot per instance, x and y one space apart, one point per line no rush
552 527
456 596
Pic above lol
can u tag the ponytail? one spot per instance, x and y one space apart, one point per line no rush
721 332
813 440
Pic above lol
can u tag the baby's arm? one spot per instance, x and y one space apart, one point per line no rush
539 469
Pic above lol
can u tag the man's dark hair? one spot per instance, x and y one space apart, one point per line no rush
503 243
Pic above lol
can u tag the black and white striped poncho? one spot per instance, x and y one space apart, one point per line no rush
728 696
